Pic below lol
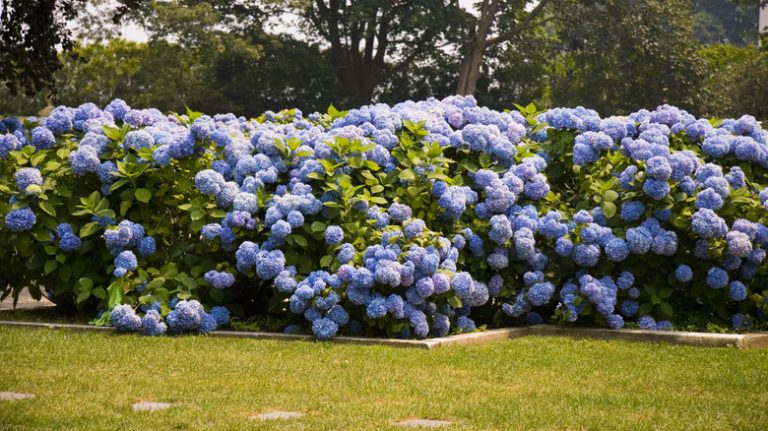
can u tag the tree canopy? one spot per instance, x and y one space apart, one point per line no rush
248 56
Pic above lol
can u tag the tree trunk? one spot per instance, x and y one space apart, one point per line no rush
473 55
479 41
470 71
359 81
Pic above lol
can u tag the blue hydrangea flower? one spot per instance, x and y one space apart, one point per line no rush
207 324
625 280
118 108
737 291
334 235
615 321
26 177
583 217
684 273
709 199
69 242
414 227
540 293
655 188
707 224
219 280
8 143
632 210
59 121
269 264
124 318
564 246
501 229
281 229
209 182
138 139
717 278
377 308
324 329
152 324
537 188
220 315
465 324
399 212
20 219
658 167
346 253
629 307
646 322
616 250
146 246
124 262
247 202
295 219
586 255
42 138
665 243
739 322
738 243
186 316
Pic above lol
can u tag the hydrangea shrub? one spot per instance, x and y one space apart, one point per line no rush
416 220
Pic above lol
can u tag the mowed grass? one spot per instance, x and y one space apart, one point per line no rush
88 381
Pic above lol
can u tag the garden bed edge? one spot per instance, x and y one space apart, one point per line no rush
758 340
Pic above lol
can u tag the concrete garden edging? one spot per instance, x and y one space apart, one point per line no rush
757 340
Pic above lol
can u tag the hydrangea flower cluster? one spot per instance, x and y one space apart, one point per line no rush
123 241
419 219
186 316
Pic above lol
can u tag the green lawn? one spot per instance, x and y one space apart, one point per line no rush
89 380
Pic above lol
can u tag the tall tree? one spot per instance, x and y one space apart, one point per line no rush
370 40
30 32
621 55
724 21
497 22
518 71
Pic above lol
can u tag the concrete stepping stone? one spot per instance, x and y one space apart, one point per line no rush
13 396
26 302
278 414
423 423
147 406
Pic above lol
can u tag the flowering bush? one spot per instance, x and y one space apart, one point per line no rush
421 219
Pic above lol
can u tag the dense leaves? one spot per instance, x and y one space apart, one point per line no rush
420 219
250 56
30 33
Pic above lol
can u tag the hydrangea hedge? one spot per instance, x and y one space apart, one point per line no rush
416 220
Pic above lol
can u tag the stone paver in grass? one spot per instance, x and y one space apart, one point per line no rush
26 302
423 423
278 414
13 396
149 406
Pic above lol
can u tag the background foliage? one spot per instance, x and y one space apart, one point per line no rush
251 56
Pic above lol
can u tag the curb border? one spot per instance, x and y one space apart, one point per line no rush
758 340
